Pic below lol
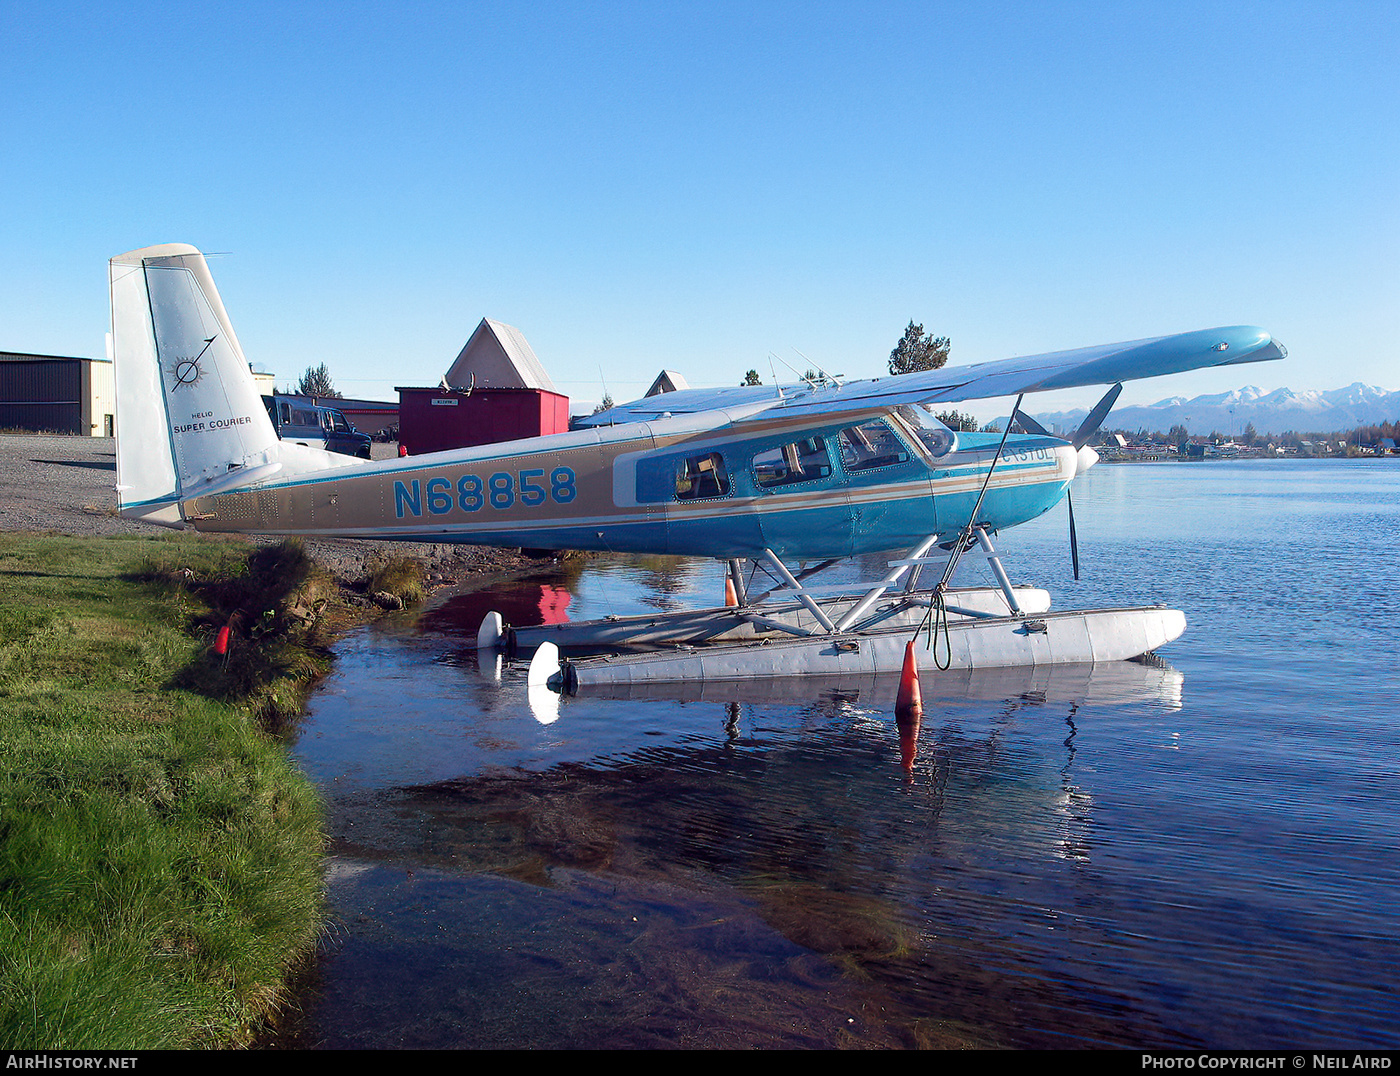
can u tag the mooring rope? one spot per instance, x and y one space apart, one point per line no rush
938 622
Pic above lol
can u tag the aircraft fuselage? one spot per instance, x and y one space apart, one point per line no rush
801 487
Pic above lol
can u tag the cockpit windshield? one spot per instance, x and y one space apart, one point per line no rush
935 437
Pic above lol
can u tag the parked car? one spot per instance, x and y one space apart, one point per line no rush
297 419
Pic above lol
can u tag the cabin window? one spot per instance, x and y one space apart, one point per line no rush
682 478
864 448
801 461
698 477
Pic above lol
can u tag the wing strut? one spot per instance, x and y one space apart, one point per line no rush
965 539
937 616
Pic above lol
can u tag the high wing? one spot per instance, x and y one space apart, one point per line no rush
1105 364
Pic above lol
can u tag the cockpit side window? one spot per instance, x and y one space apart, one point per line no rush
936 437
800 461
864 448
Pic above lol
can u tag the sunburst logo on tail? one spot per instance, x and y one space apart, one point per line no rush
185 373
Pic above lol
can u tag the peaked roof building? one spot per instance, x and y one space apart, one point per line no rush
497 356
667 381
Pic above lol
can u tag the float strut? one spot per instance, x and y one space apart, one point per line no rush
806 599
900 567
736 577
997 569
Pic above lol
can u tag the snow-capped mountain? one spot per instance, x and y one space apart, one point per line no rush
1280 411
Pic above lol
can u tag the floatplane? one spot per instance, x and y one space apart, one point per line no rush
777 483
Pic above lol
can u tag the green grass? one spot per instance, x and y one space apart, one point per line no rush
278 605
159 854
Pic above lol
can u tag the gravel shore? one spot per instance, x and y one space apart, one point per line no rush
67 485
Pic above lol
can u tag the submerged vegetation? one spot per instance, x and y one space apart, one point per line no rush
159 853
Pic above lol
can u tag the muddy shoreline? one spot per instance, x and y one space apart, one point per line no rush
51 483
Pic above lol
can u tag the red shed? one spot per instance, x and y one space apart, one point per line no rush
431 420
496 390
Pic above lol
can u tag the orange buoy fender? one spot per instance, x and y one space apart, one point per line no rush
909 697
908 710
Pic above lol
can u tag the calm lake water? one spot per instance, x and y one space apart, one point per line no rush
1196 854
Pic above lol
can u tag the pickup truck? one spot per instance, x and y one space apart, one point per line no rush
297 419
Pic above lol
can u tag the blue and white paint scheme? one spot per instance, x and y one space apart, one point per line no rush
789 474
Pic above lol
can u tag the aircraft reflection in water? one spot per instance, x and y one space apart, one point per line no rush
1146 681
953 761
820 855
760 476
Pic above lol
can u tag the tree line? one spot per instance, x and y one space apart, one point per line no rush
1358 436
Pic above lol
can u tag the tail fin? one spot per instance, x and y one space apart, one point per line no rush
190 420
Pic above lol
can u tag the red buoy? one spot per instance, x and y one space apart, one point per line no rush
908 710
909 697
403 449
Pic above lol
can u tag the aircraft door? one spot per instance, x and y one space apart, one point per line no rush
890 506
705 508
802 493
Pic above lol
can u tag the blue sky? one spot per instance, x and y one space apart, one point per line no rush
639 186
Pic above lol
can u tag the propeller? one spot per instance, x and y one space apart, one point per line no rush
1073 539
1082 436
1030 425
1094 419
